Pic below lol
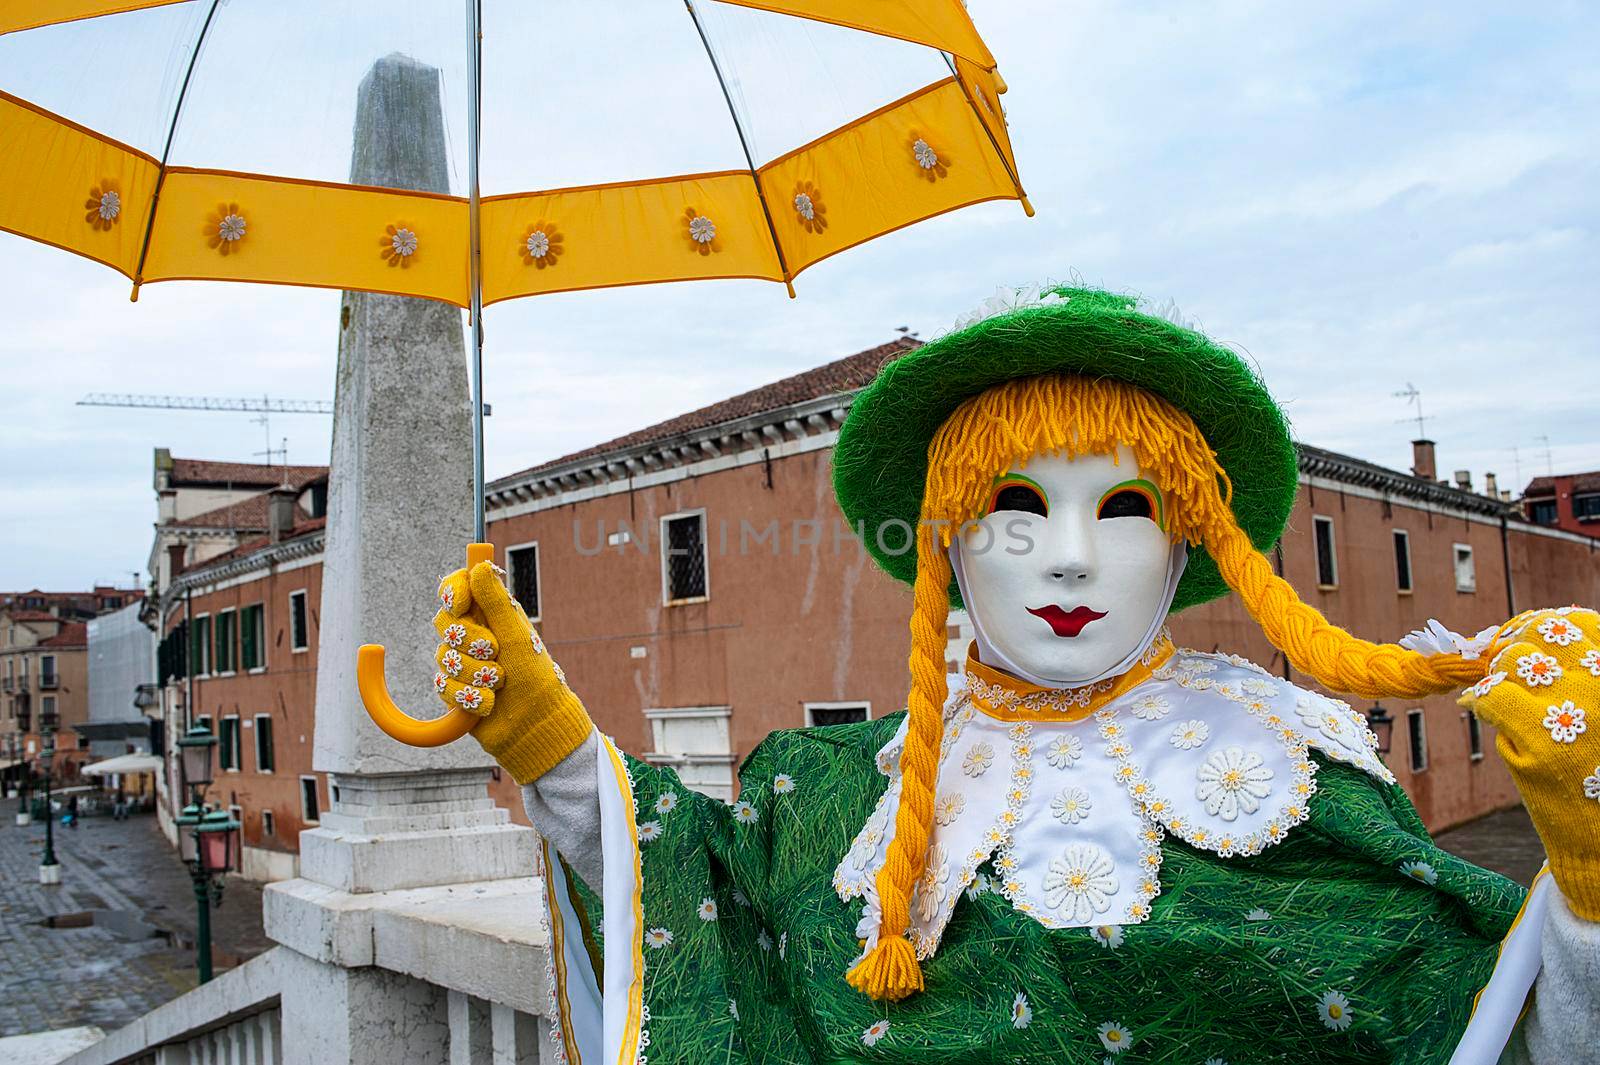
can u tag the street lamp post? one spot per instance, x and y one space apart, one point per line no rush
1382 726
49 868
206 839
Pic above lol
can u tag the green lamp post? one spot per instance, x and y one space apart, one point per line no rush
207 839
49 868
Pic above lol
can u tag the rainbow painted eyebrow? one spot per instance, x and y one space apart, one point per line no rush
1143 487
1007 480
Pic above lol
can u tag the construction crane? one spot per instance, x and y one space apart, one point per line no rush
263 405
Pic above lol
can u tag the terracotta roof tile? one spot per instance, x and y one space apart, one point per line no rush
32 615
250 513
302 527
849 374
194 473
1580 482
72 634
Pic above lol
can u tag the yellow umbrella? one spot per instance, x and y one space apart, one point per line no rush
941 146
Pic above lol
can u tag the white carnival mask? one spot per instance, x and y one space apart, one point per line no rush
1070 571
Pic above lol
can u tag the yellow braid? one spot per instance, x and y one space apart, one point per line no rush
1003 428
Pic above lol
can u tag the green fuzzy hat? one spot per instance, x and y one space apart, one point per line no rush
880 463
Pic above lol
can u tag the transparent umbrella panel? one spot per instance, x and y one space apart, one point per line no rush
626 142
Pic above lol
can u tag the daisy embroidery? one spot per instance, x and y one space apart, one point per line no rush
808 208
454 634
486 676
225 229
1064 751
398 245
1591 662
978 760
1021 1012
764 940
1151 708
649 831
1188 735
1107 935
1257 686
1071 806
104 205
744 813
1536 669
542 246
948 808
707 910
657 938
538 644
1232 781
481 648
1421 871
451 661
667 802
1591 785
447 596
469 698
927 158
1484 686
733 1008
1258 914
874 1032
439 682
1565 722
1558 631
701 232
1334 1009
782 784
1115 1037
783 943
1081 881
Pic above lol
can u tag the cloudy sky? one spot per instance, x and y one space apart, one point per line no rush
1358 197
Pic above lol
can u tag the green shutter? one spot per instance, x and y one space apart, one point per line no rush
250 636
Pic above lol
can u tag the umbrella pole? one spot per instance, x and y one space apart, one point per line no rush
475 258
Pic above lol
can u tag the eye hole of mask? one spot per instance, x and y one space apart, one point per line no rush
1128 503
1018 496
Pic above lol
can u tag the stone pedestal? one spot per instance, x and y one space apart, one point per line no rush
50 874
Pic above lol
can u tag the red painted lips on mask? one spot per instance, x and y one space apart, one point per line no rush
1066 622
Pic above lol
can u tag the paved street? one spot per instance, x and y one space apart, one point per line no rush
137 953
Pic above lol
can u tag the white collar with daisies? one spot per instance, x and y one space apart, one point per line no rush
1072 791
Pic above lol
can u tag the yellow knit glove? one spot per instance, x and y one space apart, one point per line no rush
1543 694
492 663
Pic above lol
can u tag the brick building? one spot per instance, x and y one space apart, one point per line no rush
1569 501
44 684
699 586
239 587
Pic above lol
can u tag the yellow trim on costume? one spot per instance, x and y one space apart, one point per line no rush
1033 695
1543 872
629 1050
557 948
29 14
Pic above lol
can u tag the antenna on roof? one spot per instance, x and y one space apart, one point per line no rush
1410 394
1549 463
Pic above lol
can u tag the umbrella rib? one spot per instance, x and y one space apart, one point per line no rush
166 150
1016 180
744 143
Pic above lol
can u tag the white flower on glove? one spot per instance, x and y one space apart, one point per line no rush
1435 639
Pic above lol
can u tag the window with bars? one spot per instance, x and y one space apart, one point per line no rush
683 558
523 563
1327 563
818 714
1402 560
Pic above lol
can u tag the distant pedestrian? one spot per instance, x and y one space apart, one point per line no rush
72 812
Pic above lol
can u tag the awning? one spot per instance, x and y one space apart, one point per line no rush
124 764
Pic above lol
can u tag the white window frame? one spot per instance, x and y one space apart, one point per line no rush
841 704
305 611
1422 729
1455 567
269 825
257 722
1474 732
215 627
664 713
538 575
261 641
1411 569
238 742
315 791
705 553
1333 550
208 655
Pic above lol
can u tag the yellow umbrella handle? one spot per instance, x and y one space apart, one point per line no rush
395 721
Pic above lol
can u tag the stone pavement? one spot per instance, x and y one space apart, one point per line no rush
138 951
1504 842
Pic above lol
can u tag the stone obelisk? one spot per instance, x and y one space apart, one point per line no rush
399 516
